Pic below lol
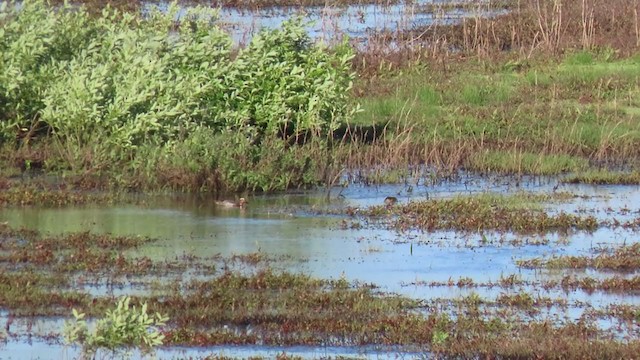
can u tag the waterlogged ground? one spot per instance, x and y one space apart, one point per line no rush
331 23
508 274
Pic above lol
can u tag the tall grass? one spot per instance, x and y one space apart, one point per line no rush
539 117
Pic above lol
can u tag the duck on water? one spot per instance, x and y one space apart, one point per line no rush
389 201
241 203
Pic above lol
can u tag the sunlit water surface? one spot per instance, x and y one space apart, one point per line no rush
296 225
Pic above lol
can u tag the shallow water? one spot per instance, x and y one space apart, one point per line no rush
288 224
44 351
331 23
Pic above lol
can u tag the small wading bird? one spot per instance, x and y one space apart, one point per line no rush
242 203
389 201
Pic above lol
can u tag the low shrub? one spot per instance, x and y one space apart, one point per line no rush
108 90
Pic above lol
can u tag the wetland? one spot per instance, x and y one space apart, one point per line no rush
507 133
292 273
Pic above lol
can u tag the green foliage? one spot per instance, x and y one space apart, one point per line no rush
441 330
439 337
230 162
32 40
123 327
281 82
523 162
112 88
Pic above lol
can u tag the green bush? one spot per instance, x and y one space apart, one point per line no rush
112 87
230 162
32 40
122 328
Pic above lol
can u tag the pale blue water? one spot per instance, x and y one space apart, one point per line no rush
289 224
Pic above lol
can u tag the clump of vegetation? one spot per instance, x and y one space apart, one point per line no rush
518 213
119 330
42 194
615 284
510 162
604 178
623 258
124 96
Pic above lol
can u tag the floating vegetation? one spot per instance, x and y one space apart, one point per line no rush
285 309
616 284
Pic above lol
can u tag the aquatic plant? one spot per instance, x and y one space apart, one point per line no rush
621 258
519 213
604 178
120 329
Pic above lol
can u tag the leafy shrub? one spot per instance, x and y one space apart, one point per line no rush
33 39
121 328
118 86
282 82
229 161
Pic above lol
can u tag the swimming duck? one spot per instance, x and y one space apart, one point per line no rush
242 203
389 201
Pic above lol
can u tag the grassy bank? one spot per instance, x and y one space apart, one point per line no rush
197 114
538 117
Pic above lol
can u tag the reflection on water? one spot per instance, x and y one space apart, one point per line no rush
331 23
286 225
45 351
317 245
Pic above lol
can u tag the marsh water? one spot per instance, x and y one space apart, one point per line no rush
331 23
302 230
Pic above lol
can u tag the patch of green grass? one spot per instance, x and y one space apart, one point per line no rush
604 177
380 109
476 90
521 214
598 73
538 77
414 97
429 96
623 258
580 58
511 162
577 110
